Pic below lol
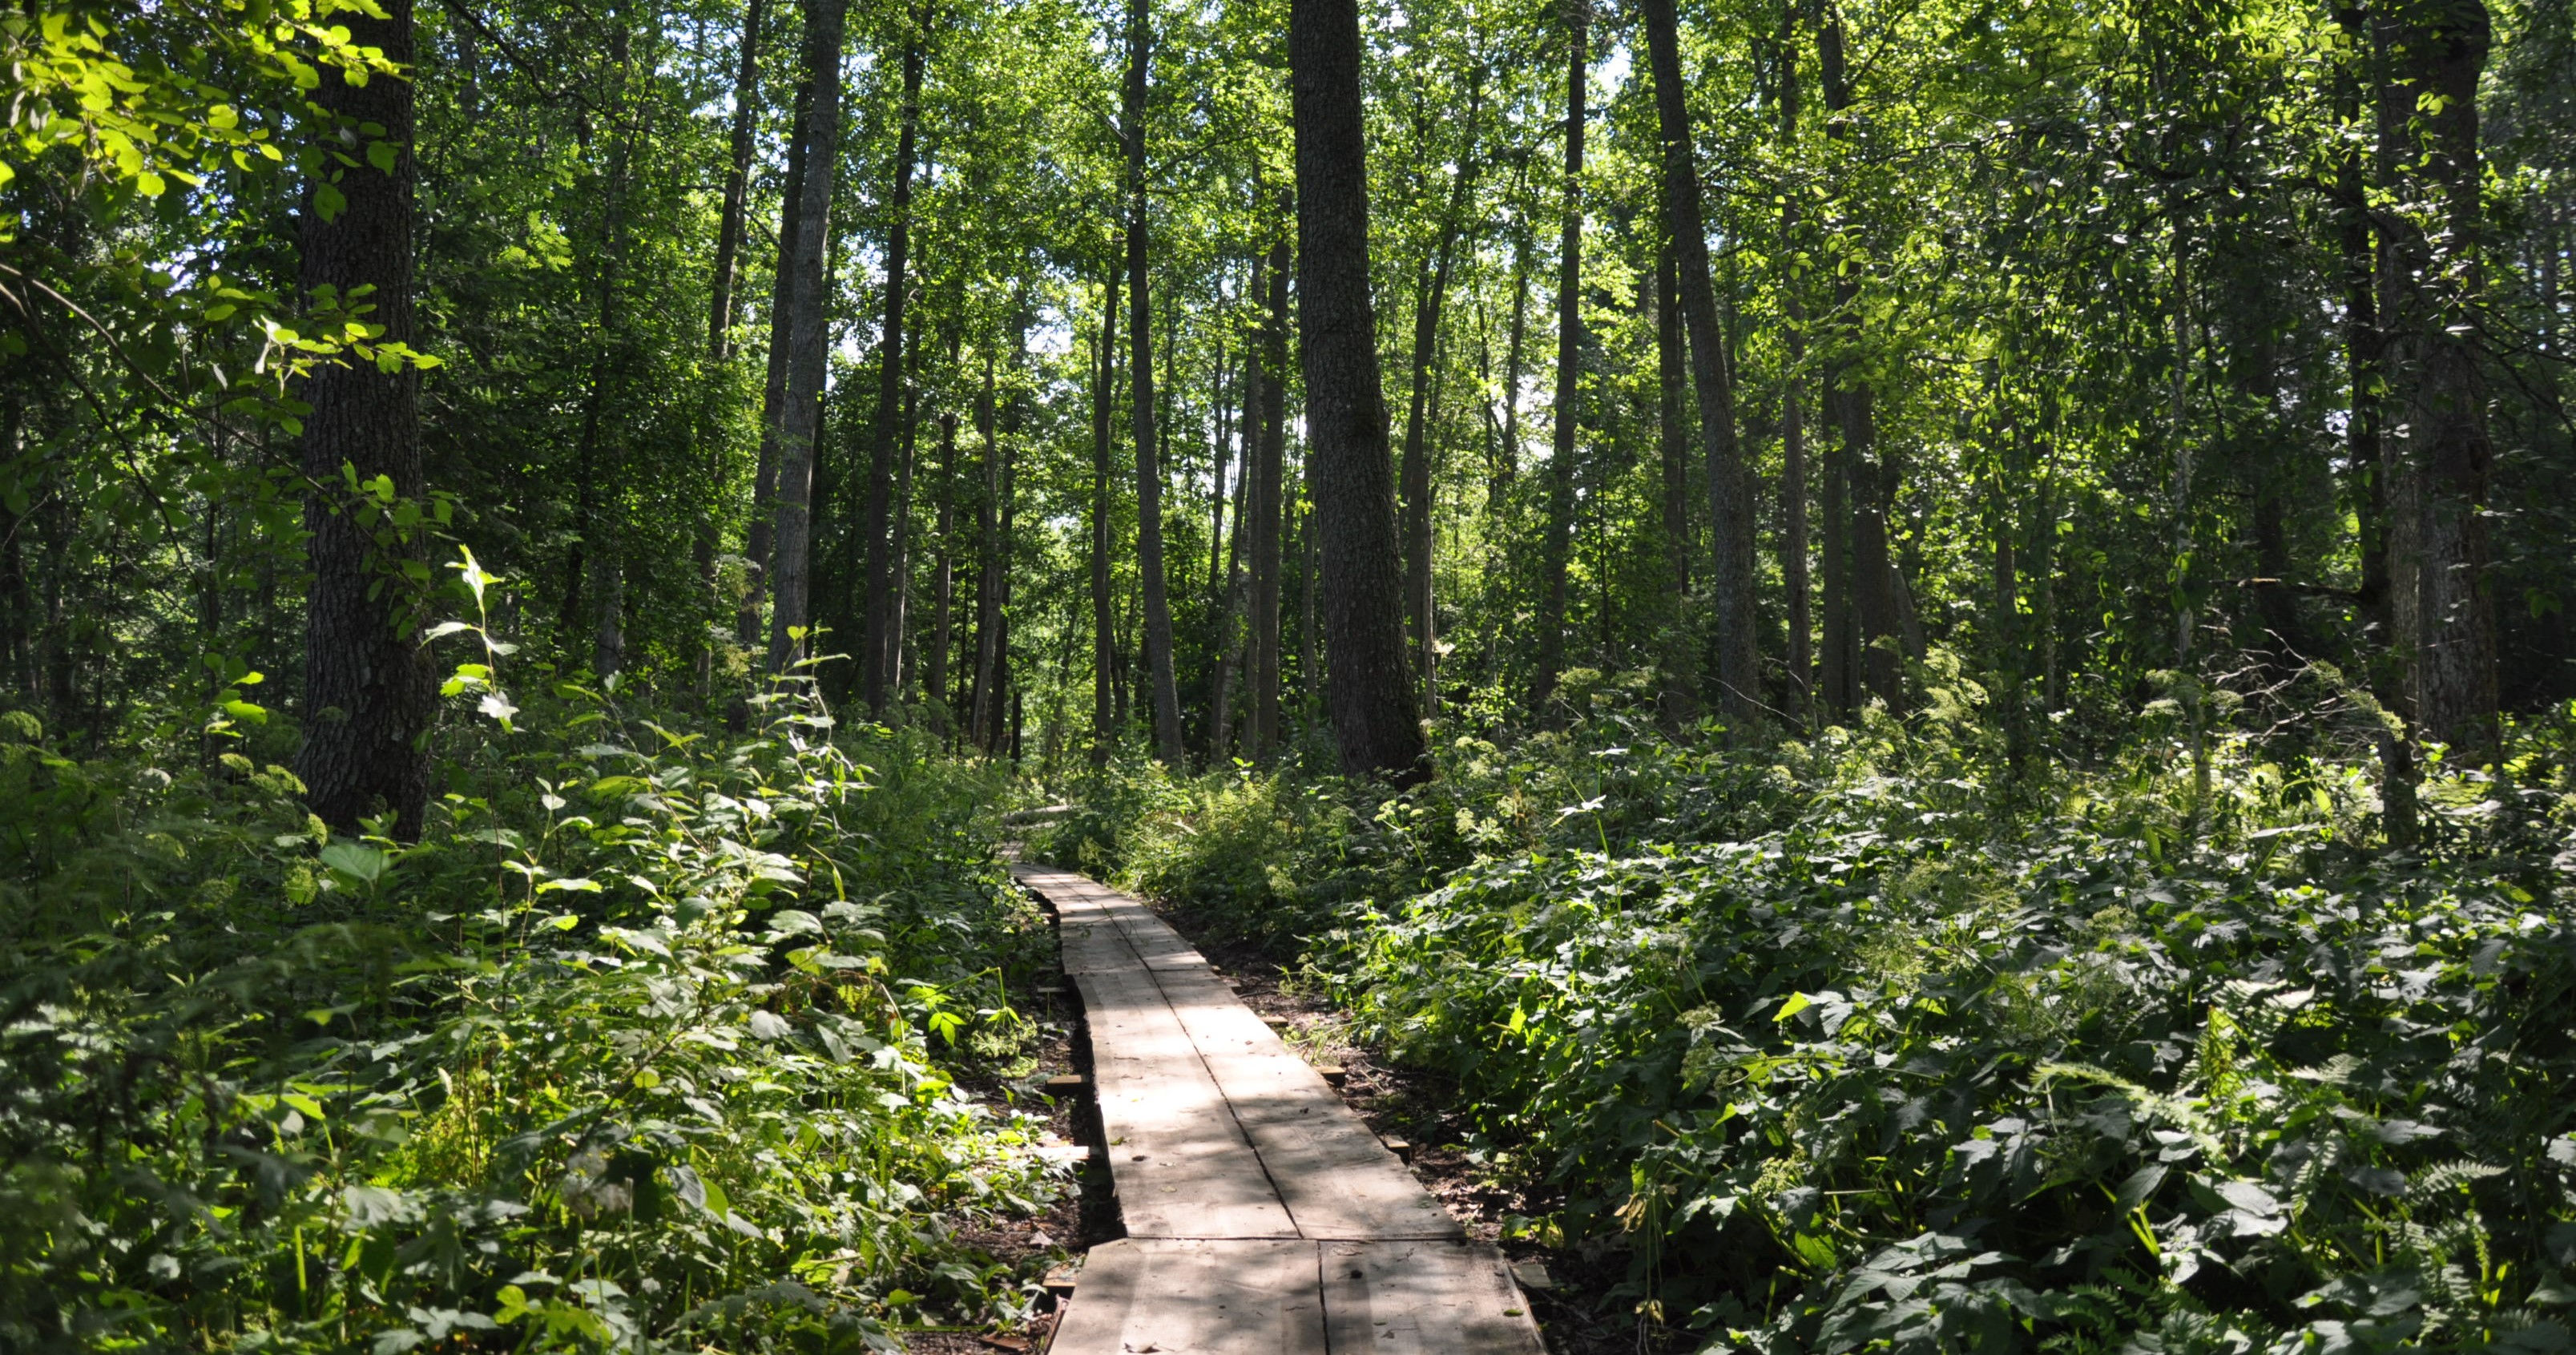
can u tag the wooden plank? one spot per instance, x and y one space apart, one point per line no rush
1180 1161
1423 1298
1198 1297
1337 1179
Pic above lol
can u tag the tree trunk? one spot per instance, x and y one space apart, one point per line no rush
1793 395
367 694
1739 676
720 308
881 646
1377 723
805 287
1149 474
943 578
1672 441
1268 504
991 567
1104 625
757 545
1556 550
2437 452
1430 292
1872 609
1507 466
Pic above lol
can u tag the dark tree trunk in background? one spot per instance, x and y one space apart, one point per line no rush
1672 441
991 565
1793 396
881 648
1377 723
367 690
943 577
1863 488
2436 451
1557 548
1430 293
2364 454
757 544
720 308
1507 465
1104 622
1149 473
1739 675
1268 504
804 288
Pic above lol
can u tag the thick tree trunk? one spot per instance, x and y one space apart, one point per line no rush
1739 675
799 421
1105 704
1557 548
1268 503
757 544
1872 609
1430 293
1149 473
1377 722
881 646
2437 450
367 693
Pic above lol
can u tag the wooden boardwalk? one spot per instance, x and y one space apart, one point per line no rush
1262 1216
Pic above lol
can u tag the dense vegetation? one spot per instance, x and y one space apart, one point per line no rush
1870 1042
1924 640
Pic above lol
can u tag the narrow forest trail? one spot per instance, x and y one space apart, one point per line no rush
1261 1215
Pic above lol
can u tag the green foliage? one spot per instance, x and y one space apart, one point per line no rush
1862 1044
651 1042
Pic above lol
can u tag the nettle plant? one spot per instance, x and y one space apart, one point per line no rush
619 1054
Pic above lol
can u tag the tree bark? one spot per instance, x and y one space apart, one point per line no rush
1268 503
1872 610
720 309
1508 465
991 569
1739 677
1793 395
1672 360
1149 474
2437 452
1104 623
805 288
943 577
1377 723
756 548
367 694
1557 548
881 647
1430 293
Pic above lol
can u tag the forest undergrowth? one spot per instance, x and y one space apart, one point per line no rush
1871 1040
654 1039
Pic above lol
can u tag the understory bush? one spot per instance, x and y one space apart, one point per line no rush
652 1041
1867 1042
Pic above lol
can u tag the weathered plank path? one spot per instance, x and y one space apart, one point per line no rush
1262 1216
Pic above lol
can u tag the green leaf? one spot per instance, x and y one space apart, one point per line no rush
356 860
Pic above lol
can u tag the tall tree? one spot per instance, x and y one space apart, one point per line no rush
1739 678
367 693
720 296
2437 451
1793 392
758 546
1431 290
1557 548
882 647
802 291
1377 723
1270 353
1680 696
1104 623
1149 474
